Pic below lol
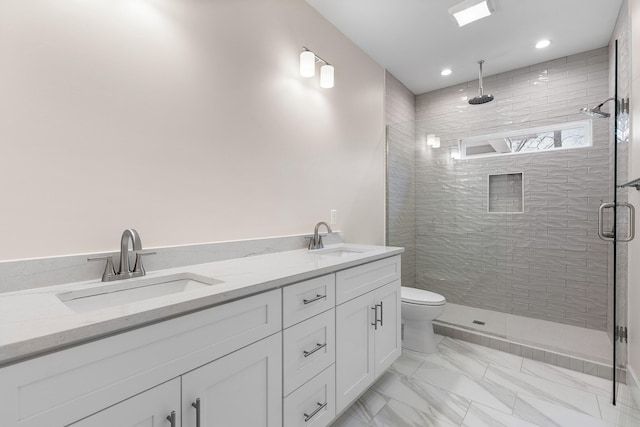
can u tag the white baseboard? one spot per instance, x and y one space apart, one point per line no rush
634 385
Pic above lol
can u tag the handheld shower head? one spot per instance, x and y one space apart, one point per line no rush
596 111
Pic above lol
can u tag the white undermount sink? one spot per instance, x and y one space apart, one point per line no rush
336 252
132 290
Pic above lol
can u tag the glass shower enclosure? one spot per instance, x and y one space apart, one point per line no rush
503 215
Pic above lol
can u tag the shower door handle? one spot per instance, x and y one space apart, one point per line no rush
631 230
604 235
609 235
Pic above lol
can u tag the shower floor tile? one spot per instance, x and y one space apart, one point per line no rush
571 340
439 390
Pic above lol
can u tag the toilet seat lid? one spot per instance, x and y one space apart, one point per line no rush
420 296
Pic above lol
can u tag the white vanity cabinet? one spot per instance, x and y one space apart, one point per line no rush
368 337
387 337
158 407
290 357
313 404
241 389
309 352
67 386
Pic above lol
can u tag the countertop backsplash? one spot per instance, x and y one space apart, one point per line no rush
36 273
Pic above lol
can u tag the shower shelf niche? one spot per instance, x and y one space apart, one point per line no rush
505 193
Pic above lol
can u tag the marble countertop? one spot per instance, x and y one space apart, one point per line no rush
36 321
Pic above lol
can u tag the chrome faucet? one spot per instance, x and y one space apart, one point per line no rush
128 234
316 240
125 272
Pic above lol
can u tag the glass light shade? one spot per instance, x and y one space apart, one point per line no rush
436 142
307 64
326 76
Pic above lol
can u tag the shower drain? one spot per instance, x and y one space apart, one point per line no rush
478 322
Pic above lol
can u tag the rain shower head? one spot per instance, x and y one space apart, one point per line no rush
481 98
595 111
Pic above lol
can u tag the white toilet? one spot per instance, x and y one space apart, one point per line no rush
419 308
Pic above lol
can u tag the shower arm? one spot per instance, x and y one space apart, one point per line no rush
632 183
604 102
480 88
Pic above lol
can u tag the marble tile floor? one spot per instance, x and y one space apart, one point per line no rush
469 385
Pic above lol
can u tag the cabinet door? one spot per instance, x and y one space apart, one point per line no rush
354 349
148 409
388 344
241 389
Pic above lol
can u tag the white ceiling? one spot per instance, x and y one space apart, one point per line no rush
416 39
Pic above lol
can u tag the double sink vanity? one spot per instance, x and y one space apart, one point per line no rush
285 339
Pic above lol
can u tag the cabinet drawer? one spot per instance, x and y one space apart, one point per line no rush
306 299
149 408
54 389
309 348
313 404
359 280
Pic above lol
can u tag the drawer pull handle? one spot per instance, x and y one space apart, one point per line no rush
317 298
196 405
318 347
172 418
381 314
375 314
320 407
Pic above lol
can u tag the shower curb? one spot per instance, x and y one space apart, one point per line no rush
551 357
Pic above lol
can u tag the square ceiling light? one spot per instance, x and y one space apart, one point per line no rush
471 10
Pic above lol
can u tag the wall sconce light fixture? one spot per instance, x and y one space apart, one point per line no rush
308 61
433 141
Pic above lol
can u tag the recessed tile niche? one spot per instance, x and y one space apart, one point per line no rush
505 193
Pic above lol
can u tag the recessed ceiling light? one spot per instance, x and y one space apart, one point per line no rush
471 10
543 43
445 72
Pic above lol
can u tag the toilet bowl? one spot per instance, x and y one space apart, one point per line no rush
419 308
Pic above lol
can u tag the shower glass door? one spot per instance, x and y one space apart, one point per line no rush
624 212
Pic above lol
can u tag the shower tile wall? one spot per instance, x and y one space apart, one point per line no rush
401 210
548 261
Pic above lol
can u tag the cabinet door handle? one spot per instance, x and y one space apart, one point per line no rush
320 407
317 297
318 347
196 405
381 314
375 318
172 418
